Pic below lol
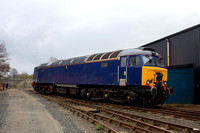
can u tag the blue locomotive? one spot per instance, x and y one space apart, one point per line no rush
135 75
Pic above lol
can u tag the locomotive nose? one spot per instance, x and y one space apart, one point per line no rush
159 76
153 75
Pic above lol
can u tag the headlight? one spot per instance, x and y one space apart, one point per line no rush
165 82
148 82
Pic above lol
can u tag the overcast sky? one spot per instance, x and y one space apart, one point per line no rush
35 30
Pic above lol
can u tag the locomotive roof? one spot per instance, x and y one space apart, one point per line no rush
139 51
101 57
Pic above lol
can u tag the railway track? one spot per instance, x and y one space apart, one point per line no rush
189 111
180 113
175 112
96 118
133 123
190 114
167 125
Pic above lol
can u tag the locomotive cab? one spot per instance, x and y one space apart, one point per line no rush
35 78
146 75
144 67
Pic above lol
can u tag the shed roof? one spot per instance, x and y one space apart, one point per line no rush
169 36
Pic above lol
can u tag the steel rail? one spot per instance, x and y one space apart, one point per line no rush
93 117
83 115
128 119
189 111
167 125
132 118
178 114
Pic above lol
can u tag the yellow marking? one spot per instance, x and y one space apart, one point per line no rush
149 73
88 94
106 95
124 73
128 97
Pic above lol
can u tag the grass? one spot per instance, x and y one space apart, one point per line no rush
114 118
99 127
102 112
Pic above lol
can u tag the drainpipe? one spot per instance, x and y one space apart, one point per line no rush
168 43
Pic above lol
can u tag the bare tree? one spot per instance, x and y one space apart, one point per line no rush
52 59
4 65
13 72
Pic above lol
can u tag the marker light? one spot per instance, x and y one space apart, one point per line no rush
148 82
165 82
106 95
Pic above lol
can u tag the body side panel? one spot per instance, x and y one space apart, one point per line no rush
97 73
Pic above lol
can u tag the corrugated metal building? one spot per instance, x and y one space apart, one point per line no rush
182 51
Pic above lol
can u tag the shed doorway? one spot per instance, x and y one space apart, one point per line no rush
181 78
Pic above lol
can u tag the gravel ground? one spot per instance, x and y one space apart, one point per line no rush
171 119
22 111
26 114
12 103
66 118
3 107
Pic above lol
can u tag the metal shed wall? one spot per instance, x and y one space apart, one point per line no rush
184 48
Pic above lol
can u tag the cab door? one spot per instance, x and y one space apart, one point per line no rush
122 71
35 75
134 70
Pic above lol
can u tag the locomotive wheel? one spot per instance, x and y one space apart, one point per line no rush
50 89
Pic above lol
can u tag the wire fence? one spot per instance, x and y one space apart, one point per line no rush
15 83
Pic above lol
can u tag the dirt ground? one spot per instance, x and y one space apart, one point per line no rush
26 115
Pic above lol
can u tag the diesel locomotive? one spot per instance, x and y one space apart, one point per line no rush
132 75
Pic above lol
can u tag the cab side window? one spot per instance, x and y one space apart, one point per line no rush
134 61
123 62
